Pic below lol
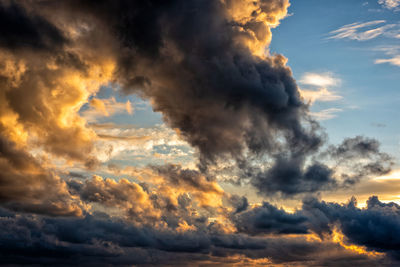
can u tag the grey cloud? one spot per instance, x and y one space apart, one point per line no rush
21 29
101 240
377 226
270 220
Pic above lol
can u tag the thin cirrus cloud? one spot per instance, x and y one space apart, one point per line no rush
363 31
393 61
326 114
392 55
371 30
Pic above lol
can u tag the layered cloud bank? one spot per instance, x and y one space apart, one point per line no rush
205 66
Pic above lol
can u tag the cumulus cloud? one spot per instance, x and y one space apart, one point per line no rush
269 219
101 239
28 187
46 76
372 227
225 94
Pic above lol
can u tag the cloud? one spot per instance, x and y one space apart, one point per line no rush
101 239
28 187
355 159
205 66
19 29
224 93
139 146
46 76
359 158
322 81
363 31
393 52
227 97
319 79
326 114
390 4
393 61
105 108
371 227
269 219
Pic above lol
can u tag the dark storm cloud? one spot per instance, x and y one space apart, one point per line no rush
290 177
377 226
20 29
240 203
354 159
191 61
269 219
196 62
101 240
199 64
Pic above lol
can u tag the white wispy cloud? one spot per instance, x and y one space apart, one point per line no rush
390 4
320 83
319 79
366 31
393 61
392 55
319 89
326 114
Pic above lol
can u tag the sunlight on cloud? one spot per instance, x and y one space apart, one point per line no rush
105 108
137 145
390 4
394 175
322 95
319 79
340 238
231 175
322 81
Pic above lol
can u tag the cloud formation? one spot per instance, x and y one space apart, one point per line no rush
205 66
100 239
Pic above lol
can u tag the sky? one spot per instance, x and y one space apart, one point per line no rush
199 133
